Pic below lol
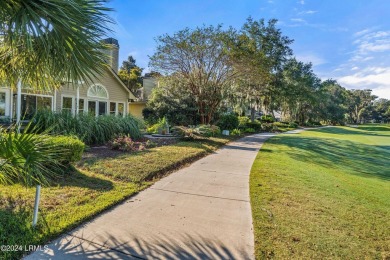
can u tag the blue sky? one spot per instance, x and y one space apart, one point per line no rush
347 40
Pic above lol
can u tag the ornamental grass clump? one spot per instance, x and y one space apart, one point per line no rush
88 128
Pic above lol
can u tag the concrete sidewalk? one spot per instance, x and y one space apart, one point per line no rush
199 212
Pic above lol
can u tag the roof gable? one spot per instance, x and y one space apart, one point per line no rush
120 82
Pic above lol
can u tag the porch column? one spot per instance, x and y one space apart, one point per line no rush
19 102
77 100
11 102
54 103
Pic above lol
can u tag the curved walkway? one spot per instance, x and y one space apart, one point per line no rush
199 212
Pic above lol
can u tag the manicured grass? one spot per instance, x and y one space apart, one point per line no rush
75 198
146 165
323 194
88 190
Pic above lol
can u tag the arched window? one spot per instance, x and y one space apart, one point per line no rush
97 91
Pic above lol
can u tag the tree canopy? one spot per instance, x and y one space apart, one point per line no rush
197 61
131 74
251 68
44 43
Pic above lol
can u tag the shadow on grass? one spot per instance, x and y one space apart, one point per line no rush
75 178
357 158
253 140
177 246
375 127
349 131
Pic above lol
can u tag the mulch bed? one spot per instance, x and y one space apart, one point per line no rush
104 151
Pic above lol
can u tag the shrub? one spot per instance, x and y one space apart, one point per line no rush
184 132
208 130
158 127
255 125
316 123
193 132
72 148
250 130
153 129
293 125
267 119
280 124
236 132
312 123
243 121
228 122
150 144
266 127
88 128
125 143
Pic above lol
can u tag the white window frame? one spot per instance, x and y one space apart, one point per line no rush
124 108
7 102
42 95
86 104
73 109
84 108
116 107
95 97
36 95
107 106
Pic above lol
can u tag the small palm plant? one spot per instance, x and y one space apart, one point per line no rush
27 157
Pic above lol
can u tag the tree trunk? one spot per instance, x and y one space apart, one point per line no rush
253 111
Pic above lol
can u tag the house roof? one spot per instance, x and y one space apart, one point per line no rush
131 95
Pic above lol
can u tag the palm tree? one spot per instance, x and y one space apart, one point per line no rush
46 42
42 44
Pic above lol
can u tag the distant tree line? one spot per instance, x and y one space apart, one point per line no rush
209 70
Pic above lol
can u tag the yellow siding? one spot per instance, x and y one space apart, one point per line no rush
136 109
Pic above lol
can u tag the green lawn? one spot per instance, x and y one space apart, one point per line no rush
148 164
91 188
323 193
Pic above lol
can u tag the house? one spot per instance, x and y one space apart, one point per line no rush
105 95
148 84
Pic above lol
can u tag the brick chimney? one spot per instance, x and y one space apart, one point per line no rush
112 53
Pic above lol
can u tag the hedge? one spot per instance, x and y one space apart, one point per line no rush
72 148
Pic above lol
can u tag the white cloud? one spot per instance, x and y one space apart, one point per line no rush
382 92
368 66
307 12
299 20
311 57
375 47
368 41
375 78
302 2
362 32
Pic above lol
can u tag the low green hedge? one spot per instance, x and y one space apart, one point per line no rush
72 148
228 122
255 125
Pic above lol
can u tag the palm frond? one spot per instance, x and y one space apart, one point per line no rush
44 43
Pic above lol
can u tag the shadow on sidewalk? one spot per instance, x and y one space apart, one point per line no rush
180 246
